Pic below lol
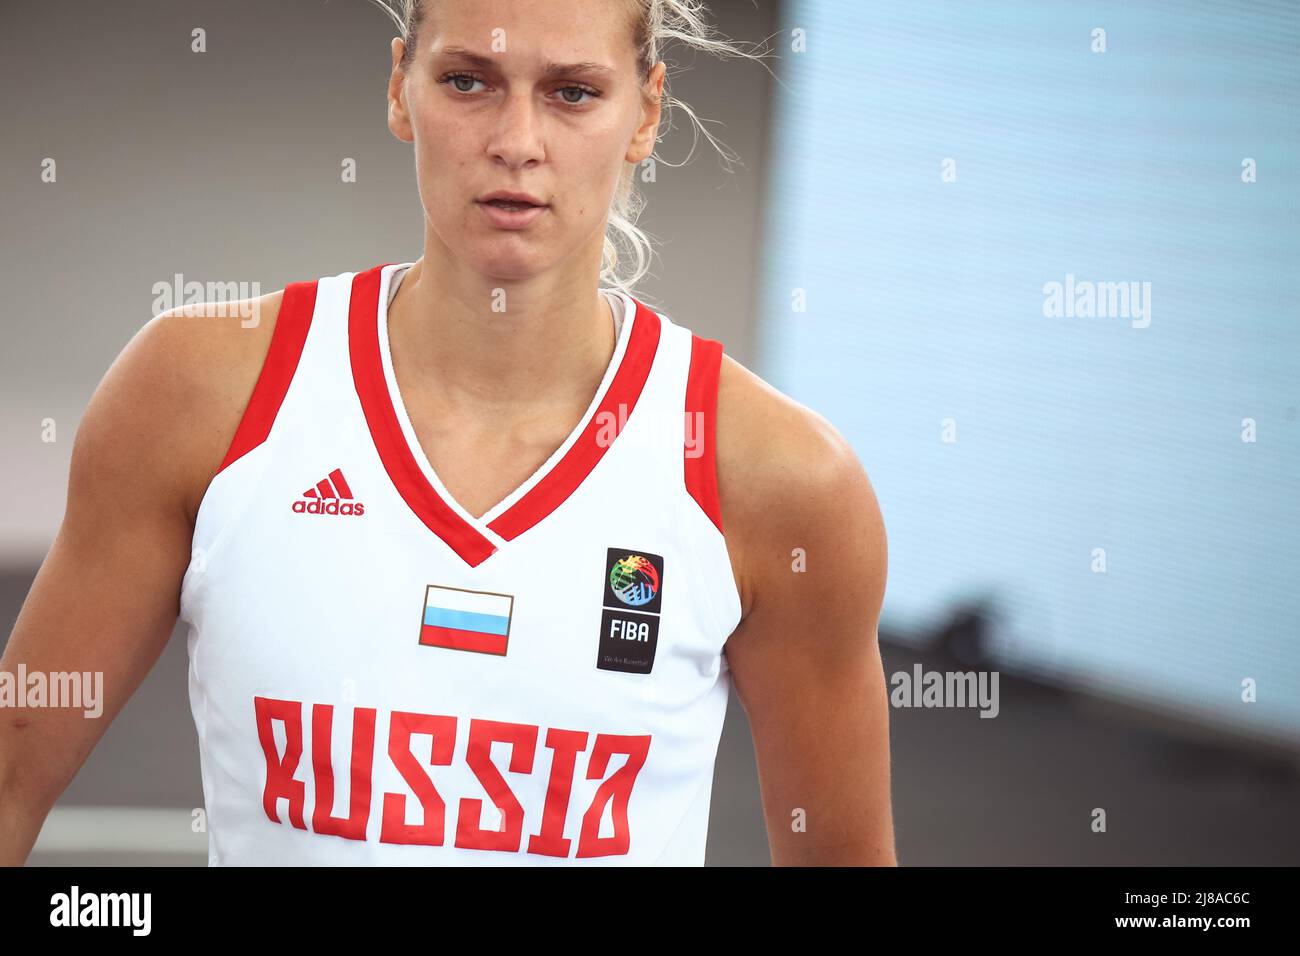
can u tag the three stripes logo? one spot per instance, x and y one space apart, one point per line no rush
330 496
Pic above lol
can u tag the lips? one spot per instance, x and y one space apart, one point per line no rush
512 211
512 206
512 201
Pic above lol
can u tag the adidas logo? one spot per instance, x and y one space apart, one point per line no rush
331 496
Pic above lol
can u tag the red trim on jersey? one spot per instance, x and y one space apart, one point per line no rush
550 491
613 412
282 355
377 404
701 421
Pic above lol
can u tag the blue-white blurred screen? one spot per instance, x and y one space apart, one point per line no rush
936 166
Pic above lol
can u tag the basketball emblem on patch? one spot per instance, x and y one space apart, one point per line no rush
635 579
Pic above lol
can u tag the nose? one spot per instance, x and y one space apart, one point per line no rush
516 138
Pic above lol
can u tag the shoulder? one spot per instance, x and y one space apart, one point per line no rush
177 391
789 485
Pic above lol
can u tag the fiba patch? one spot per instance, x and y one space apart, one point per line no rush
629 621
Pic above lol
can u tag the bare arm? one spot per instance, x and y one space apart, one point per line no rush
805 658
106 597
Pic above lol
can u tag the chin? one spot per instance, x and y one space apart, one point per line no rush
509 266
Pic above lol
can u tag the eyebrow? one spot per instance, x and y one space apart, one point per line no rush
552 70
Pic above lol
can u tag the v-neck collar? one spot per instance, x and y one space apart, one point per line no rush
408 467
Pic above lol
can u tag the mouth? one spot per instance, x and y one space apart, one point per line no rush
513 202
512 205
507 210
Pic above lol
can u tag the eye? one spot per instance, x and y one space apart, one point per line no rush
461 82
580 90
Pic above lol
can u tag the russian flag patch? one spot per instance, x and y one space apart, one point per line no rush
466 620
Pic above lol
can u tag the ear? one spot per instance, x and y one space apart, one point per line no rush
399 117
643 143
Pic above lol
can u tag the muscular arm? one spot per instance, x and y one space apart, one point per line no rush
810 550
106 597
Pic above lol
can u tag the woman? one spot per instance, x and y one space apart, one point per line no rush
604 520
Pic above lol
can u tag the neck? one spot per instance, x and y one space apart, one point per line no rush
547 347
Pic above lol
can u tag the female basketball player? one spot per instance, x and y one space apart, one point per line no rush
471 548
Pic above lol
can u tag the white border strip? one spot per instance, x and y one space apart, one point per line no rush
120 829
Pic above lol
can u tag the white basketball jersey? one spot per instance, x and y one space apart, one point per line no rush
378 677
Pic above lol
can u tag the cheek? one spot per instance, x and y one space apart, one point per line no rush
432 142
442 159
592 168
440 144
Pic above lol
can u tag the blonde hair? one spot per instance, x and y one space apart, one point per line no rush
656 24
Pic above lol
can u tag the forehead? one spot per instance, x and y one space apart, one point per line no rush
534 32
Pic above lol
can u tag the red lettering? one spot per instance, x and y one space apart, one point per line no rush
617 788
613 793
279 769
566 744
432 831
523 741
353 826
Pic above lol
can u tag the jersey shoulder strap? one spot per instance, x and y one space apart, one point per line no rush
700 464
287 339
